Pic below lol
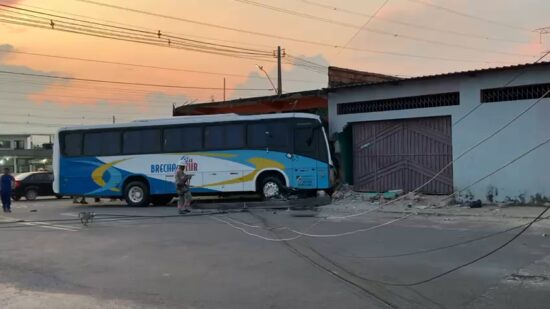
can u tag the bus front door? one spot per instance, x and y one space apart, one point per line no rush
304 166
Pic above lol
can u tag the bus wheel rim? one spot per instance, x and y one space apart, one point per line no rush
271 189
135 194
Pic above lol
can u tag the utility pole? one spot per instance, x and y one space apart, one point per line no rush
224 89
279 77
114 120
542 31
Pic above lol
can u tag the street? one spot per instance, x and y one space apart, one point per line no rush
126 258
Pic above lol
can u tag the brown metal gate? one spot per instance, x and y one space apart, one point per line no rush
403 154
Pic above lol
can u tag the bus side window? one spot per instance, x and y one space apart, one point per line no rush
279 136
234 136
102 144
213 137
257 136
183 139
272 135
141 141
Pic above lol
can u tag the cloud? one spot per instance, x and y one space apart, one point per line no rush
27 101
295 78
4 51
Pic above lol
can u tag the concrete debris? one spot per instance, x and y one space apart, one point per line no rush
527 278
475 204
370 196
398 191
337 195
389 195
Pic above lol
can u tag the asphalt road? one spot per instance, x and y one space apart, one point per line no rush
235 261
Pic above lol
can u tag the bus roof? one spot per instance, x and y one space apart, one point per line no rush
191 119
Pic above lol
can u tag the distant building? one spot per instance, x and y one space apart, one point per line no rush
398 134
20 155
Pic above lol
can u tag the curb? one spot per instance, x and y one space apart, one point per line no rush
457 215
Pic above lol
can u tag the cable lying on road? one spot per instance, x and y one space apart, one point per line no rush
424 251
106 218
456 268
300 234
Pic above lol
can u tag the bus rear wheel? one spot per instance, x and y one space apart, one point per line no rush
136 194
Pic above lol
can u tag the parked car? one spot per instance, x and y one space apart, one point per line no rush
32 185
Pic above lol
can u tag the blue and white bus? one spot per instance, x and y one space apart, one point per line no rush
226 153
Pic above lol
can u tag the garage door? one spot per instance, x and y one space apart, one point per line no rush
403 154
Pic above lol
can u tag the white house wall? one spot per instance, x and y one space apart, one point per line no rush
524 180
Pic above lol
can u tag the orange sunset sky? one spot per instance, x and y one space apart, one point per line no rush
406 37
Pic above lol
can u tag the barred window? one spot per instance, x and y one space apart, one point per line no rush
526 92
422 101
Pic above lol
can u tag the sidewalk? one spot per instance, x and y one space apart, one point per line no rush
517 212
429 206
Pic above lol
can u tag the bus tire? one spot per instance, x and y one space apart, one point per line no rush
271 187
136 194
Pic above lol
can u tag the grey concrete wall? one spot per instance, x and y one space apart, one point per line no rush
522 181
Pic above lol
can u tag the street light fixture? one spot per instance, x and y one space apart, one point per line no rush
261 68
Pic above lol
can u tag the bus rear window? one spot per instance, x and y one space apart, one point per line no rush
72 144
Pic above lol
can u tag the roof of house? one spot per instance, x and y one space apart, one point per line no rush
252 100
341 76
272 98
450 74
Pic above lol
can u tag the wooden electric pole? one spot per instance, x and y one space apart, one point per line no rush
279 77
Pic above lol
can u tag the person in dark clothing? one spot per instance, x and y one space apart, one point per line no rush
7 184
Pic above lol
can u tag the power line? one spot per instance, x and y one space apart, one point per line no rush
17 106
505 85
256 33
377 31
23 81
126 30
456 12
364 25
126 39
130 35
134 26
29 115
454 269
403 23
447 272
146 66
127 83
126 34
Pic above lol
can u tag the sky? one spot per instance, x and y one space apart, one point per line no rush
405 38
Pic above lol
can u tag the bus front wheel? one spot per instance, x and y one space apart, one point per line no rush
272 188
136 194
